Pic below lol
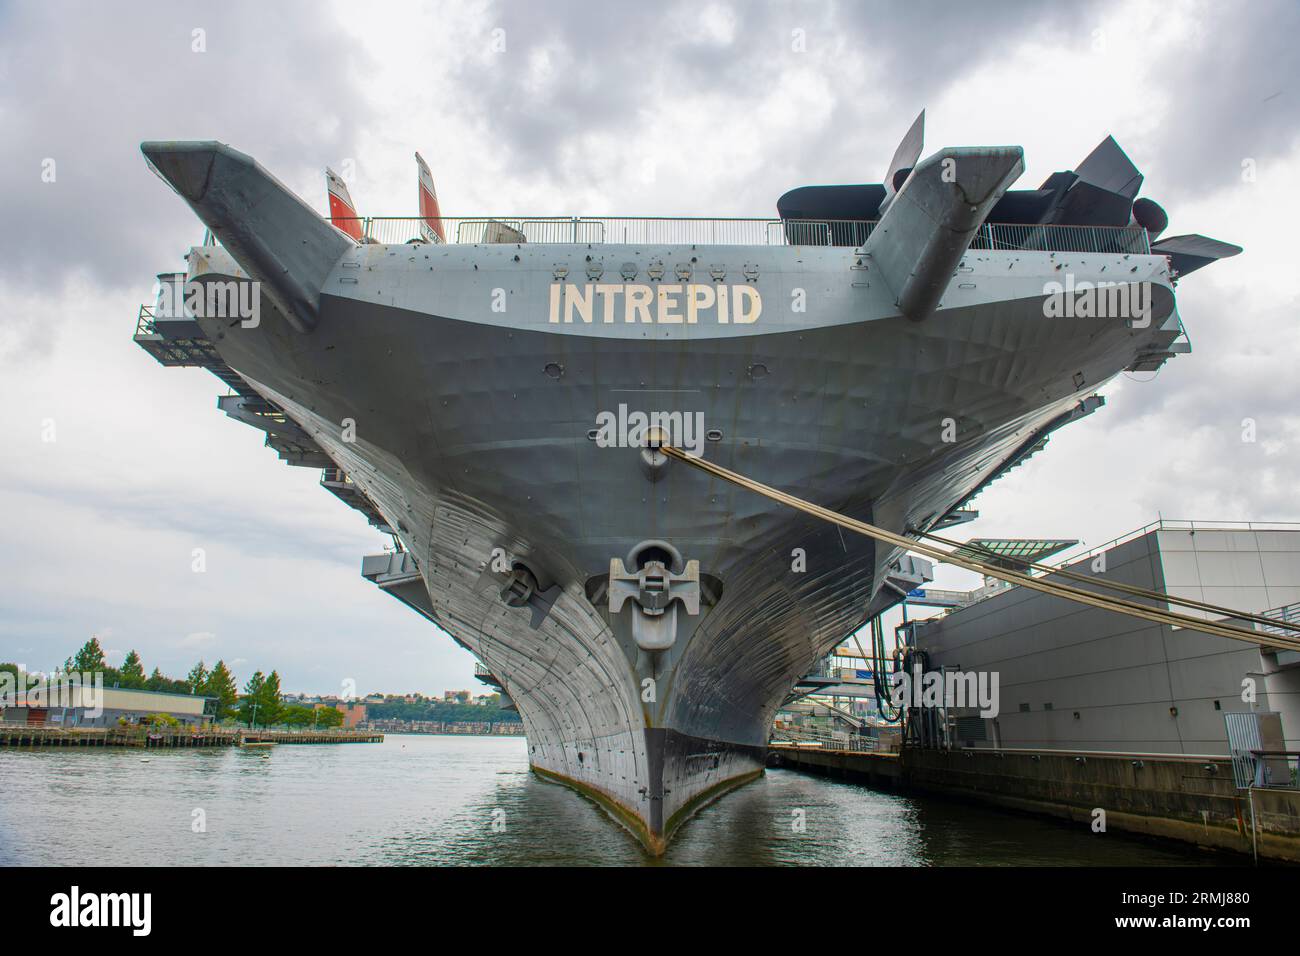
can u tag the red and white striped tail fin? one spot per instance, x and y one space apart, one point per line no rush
342 213
430 215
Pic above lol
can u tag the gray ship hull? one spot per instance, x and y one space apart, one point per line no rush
649 620
467 444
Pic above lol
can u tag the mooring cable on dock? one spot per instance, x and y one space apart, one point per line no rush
1069 593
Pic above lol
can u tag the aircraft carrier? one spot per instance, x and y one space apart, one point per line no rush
494 392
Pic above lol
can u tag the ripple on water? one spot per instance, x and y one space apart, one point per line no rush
423 801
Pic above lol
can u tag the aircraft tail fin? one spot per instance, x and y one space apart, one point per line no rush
343 212
431 226
904 160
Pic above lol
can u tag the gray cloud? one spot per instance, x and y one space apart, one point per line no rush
238 522
1236 98
84 84
1227 416
568 107
610 72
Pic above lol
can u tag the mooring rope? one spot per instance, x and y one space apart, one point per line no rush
1114 585
1068 592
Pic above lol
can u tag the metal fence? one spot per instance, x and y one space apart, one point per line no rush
627 231
820 740
1253 764
1287 614
1104 239
597 230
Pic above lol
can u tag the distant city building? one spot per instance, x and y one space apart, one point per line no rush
353 711
300 700
495 728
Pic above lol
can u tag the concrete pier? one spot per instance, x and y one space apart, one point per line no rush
1179 797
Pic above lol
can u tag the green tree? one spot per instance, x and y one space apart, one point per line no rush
197 678
295 715
251 703
220 683
270 708
90 658
326 717
132 672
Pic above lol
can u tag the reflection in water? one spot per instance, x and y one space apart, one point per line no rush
430 801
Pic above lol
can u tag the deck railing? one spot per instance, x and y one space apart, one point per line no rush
1103 239
627 231
653 230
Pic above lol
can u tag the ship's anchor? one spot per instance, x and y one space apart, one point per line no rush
523 586
657 591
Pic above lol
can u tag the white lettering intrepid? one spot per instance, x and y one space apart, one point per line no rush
662 304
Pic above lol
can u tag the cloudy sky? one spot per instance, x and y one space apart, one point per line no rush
562 108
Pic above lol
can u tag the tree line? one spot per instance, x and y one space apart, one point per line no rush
442 711
260 702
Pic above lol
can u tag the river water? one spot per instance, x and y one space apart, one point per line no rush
429 801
